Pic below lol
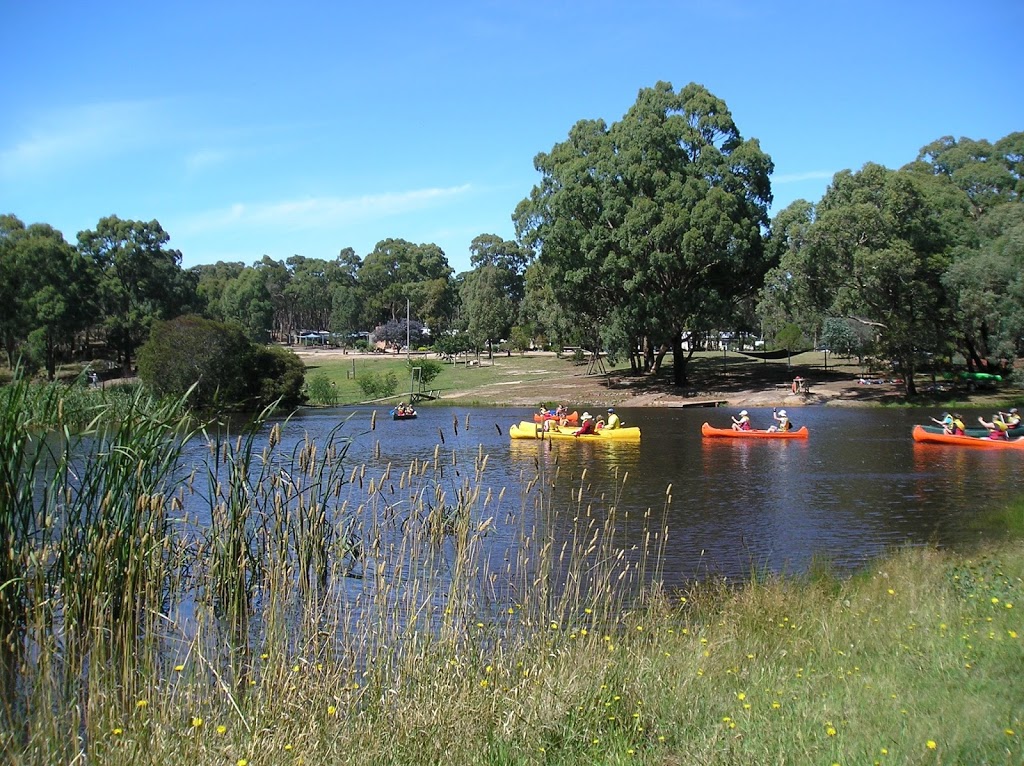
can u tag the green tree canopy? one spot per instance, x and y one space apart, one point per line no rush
47 292
398 271
245 301
140 280
657 218
876 253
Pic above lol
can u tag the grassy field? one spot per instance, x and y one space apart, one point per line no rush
489 381
536 379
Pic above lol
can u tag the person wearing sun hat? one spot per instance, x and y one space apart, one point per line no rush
586 425
743 424
946 422
782 420
613 419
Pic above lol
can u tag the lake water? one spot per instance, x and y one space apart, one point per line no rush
856 487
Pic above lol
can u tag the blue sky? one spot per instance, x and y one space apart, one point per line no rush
251 128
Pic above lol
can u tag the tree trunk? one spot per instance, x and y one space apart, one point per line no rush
678 361
909 387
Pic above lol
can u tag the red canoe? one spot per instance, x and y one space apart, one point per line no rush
929 436
709 430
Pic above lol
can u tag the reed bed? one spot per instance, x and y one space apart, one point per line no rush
176 593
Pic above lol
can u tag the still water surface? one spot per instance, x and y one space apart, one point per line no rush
857 486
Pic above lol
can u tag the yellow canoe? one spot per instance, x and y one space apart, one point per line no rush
527 430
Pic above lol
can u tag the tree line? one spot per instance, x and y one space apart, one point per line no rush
642 237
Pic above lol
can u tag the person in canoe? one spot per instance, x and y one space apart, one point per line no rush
1011 418
946 422
587 426
996 427
613 419
959 428
743 424
782 422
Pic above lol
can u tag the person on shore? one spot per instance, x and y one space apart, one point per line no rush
613 419
996 427
587 425
743 423
781 421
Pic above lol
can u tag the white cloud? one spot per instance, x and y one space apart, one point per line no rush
197 162
318 213
810 175
61 138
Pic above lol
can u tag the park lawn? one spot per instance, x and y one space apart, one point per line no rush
491 375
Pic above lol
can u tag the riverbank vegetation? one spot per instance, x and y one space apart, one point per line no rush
174 594
648 238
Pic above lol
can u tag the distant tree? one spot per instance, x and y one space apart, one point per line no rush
47 289
428 369
246 302
877 251
140 280
346 296
375 385
211 281
398 271
488 308
346 308
309 292
789 293
843 336
321 390
396 332
521 338
276 277
791 338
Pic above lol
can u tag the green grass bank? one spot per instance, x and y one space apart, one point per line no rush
916 661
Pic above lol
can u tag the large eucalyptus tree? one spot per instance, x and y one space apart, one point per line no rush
140 280
652 227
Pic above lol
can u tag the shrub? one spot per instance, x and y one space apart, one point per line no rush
228 370
320 390
375 385
278 374
429 369
191 350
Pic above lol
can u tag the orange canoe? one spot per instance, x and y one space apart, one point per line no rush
929 436
710 430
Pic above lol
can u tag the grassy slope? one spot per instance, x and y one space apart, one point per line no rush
917 661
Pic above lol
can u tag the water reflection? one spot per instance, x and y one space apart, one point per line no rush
857 486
